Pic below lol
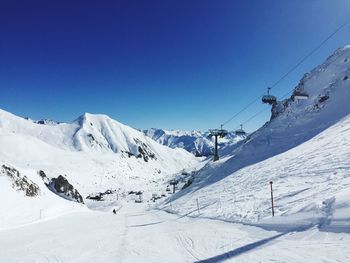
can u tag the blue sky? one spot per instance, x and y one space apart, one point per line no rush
170 64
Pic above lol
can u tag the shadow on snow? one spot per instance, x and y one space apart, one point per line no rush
238 251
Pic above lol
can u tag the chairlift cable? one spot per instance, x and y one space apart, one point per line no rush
310 53
291 70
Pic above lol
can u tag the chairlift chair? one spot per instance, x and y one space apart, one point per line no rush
240 132
222 132
268 98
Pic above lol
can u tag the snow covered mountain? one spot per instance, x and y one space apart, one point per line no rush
304 149
296 121
94 153
196 142
89 133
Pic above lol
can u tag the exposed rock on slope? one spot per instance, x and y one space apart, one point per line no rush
19 182
62 187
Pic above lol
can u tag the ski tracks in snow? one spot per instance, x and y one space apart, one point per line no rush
135 234
123 245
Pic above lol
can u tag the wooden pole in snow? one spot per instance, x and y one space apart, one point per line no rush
272 204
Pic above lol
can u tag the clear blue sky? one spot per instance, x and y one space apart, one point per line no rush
173 64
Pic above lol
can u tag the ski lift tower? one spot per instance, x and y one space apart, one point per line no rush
217 133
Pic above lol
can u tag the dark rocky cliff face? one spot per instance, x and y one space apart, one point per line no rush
62 187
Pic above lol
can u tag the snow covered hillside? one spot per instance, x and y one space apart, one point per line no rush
220 211
196 142
310 174
26 198
297 120
95 153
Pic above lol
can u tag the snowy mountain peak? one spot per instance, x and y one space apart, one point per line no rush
89 133
196 142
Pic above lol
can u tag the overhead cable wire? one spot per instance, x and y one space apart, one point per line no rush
290 70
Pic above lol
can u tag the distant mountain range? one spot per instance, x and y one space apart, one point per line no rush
196 142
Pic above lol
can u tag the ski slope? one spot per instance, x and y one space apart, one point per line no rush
311 187
137 234
304 151
224 213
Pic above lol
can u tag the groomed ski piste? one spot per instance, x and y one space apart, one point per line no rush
220 212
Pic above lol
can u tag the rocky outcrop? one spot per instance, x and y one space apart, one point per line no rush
43 176
19 182
47 122
144 151
279 107
62 187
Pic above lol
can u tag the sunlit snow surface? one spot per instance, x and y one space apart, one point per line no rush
91 166
196 142
304 151
225 214
137 234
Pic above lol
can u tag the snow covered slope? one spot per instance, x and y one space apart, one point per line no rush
94 153
136 234
311 180
297 120
311 185
195 142
19 206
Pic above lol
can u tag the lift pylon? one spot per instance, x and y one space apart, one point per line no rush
217 133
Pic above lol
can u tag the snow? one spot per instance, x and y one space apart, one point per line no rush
195 142
18 209
223 215
65 149
304 151
311 182
137 234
